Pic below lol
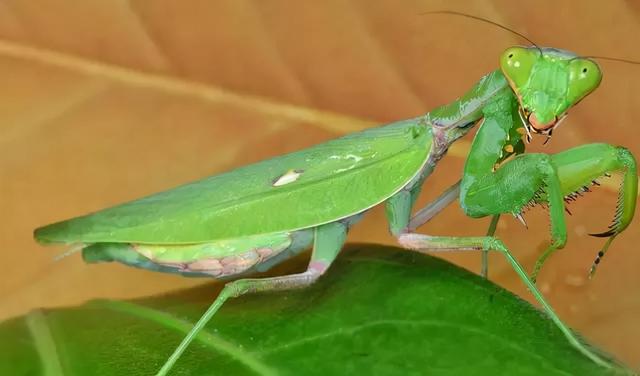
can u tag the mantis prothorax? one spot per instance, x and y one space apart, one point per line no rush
254 217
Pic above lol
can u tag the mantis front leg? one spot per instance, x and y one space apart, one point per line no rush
547 179
493 186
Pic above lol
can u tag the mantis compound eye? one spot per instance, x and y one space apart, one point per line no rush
584 77
516 64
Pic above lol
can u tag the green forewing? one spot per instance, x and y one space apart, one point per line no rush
334 180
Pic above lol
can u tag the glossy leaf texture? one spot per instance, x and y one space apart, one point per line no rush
379 311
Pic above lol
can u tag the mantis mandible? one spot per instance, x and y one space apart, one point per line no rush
257 216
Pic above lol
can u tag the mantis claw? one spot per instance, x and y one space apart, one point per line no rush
521 219
605 234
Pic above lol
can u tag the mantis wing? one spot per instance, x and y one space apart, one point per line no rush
317 185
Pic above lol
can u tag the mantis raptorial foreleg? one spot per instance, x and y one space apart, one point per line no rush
578 168
328 240
548 180
500 187
492 185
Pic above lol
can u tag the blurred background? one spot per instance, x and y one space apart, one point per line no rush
102 102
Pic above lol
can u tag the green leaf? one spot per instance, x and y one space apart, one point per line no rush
379 311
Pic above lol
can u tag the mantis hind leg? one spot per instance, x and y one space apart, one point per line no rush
328 240
425 243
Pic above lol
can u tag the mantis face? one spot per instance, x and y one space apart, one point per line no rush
547 82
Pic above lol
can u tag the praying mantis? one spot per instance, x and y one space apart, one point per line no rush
255 217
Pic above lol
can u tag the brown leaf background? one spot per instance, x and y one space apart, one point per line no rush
102 102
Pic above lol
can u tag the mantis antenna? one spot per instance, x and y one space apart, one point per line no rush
616 59
477 18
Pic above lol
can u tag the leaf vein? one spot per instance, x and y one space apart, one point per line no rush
169 321
177 86
45 344
353 329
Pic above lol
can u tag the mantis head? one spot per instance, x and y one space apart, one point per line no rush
547 82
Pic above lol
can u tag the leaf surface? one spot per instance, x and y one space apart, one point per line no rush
379 311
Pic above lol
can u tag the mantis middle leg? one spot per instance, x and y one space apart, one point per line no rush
425 243
425 214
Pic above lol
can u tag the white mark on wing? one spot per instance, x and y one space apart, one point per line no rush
286 178
356 158
353 157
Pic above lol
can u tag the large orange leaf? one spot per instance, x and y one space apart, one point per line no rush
102 102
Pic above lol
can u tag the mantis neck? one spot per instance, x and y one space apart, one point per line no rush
452 121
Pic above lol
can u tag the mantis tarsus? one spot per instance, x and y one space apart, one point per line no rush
254 217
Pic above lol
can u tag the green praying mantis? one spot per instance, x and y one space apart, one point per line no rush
254 217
